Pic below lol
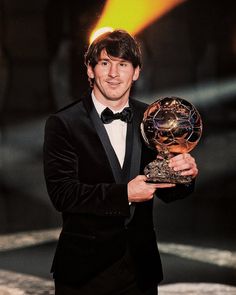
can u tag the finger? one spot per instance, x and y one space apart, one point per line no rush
166 185
151 188
183 161
142 177
191 172
180 157
162 185
185 166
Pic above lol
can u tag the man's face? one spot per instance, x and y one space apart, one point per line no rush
113 78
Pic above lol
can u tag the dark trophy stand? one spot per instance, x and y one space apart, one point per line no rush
158 171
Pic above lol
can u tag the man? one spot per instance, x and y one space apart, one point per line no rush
94 174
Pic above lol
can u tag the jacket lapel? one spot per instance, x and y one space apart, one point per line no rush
133 152
105 141
136 143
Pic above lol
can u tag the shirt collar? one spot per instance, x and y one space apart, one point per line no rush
100 107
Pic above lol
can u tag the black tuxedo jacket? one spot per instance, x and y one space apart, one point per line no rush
86 183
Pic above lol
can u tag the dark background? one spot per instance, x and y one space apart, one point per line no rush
189 52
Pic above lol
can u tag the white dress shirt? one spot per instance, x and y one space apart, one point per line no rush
116 131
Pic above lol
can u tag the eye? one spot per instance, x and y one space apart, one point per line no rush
103 63
123 64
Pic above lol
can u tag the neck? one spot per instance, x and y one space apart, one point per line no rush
115 105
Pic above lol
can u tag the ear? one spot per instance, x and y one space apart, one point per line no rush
136 73
90 72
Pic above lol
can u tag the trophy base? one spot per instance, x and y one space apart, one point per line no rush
158 171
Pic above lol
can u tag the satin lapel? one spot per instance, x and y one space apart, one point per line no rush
101 131
136 144
128 154
135 154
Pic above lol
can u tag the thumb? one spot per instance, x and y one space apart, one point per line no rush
142 177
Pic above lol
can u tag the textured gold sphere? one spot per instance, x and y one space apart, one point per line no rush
171 125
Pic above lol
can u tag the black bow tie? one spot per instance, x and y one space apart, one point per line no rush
108 116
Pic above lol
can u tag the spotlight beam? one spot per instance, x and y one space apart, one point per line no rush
134 15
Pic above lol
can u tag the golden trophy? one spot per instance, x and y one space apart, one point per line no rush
171 125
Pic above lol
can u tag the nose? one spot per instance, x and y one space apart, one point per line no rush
113 71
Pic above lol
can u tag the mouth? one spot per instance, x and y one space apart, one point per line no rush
113 83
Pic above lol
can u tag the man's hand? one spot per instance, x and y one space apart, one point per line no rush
185 163
140 191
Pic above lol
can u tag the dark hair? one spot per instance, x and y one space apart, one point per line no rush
119 44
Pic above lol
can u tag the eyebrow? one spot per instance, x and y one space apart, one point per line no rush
108 59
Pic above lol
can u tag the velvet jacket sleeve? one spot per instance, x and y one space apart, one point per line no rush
64 176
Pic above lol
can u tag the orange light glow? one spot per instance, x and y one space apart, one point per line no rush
99 32
133 15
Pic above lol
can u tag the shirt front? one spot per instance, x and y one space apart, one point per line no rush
116 131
